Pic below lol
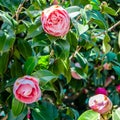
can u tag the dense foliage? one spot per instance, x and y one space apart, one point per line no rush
70 68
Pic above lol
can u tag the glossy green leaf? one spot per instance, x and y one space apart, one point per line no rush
3 62
45 111
17 107
16 69
106 46
11 5
71 37
73 11
110 11
62 67
24 48
8 19
45 76
34 30
89 115
80 27
97 18
21 116
116 114
41 40
116 69
7 41
30 65
61 49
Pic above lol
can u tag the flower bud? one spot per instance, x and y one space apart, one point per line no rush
118 88
100 103
101 90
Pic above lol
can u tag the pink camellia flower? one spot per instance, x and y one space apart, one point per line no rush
118 88
100 103
26 89
101 90
55 21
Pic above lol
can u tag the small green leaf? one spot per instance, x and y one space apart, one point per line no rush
116 114
89 115
106 47
29 65
17 107
110 11
45 76
43 62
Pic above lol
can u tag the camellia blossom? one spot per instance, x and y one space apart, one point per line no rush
101 90
100 103
118 88
55 21
26 89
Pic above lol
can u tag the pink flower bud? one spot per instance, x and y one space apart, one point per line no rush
55 21
75 75
26 89
107 66
100 103
101 90
118 88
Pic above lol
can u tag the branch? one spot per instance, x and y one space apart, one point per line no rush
108 30
20 8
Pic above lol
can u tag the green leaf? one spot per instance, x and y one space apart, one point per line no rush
45 76
73 11
30 65
6 41
81 59
17 107
41 40
12 5
110 11
34 30
111 56
95 4
80 27
96 17
106 47
119 39
116 114
21 116
24 48
46 111
71 37
89 115
16 69
62 67
117 70
3 62
8 19
61 49
43 62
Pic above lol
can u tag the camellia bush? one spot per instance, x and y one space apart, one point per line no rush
59 60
